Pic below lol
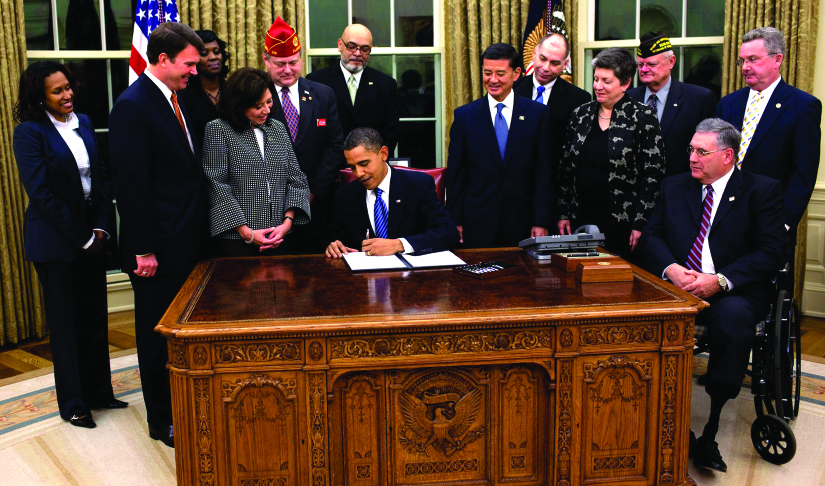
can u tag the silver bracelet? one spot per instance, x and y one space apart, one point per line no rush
250 240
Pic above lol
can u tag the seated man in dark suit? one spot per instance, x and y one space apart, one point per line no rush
719 234
386 211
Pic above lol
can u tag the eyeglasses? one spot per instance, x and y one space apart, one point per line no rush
352 47
651 65
702 152
753 59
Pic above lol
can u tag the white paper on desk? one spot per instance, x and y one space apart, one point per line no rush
439 259
359 261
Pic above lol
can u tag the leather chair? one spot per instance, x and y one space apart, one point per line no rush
346 177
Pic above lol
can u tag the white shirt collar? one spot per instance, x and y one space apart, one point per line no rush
167 93
72 124
720 184
385 184
294 96
547 86
508 101
767 92
348 73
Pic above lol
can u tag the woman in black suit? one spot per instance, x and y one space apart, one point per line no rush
202 94
70 210
614 158
256 189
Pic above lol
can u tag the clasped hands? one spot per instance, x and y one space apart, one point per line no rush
371 246
702 285
98 242
265 238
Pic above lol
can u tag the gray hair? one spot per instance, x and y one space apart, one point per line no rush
366 137
727 136
774 40
619 61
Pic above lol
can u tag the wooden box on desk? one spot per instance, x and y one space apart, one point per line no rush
614 271
569 263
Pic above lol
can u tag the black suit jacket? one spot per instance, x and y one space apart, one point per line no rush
158 181
319 145
415 213
56 218
686 106
785 145
489 196
746 239
376 102
564 98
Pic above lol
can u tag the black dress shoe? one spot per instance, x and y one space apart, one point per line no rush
691 444
110 404
164 434
706 455
84 421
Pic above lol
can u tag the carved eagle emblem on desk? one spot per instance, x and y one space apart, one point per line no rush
441 419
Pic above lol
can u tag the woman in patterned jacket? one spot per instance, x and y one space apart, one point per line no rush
614 158
256 189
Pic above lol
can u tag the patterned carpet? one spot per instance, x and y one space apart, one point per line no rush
38 448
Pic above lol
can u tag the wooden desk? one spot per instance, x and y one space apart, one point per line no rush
294 371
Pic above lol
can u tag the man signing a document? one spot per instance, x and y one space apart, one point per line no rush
399 209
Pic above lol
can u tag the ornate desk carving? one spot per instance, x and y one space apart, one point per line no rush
294 371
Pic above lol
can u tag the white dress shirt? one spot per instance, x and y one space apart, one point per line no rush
506 112
68 131
294 97
348 73
167 93
385 196
760 107
547 88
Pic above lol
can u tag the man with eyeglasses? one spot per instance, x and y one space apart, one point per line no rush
780 127
366 97
718 233
678 106
310 113
546 86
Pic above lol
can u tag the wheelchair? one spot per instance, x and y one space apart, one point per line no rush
776 376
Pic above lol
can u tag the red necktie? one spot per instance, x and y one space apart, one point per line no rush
694 259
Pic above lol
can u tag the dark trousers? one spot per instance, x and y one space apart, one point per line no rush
313 237
153 295
731 325
74 297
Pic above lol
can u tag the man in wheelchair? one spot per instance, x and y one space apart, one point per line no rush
718 233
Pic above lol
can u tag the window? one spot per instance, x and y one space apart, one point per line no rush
96 50
695 28
406 47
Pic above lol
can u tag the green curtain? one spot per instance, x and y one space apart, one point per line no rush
21 300
799 22
243 24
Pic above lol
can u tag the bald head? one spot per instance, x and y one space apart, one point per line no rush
355 45
550 58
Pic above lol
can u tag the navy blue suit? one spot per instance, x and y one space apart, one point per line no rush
499 201
415 213
686 106
59 222
319 147
160 196
785 145
746 239
376 102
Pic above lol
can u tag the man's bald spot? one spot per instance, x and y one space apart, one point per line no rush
357 30
559 42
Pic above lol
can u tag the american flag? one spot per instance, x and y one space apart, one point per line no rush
149 14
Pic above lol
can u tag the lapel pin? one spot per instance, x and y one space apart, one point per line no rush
731 198
310 98
397 200
306 92
675 104
521 117
370 83
779 105
303 98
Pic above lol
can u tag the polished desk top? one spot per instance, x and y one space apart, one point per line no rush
317 294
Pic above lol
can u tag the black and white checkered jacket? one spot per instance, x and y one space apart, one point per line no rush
245 188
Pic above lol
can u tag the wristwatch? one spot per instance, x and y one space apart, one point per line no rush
723 282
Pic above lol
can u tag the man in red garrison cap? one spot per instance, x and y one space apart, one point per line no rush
310 113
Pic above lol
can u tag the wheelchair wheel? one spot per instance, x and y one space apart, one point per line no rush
773 439
795 358
780 370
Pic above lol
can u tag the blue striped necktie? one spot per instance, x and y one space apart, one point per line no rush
380 210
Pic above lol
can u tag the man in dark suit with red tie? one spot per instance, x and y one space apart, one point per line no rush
310 113
498 169
159 192
718 233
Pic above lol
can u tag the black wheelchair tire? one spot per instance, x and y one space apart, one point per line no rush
773 439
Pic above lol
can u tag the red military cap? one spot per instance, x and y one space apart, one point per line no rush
281 40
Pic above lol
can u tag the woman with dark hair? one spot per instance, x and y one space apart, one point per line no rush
256 188
70 210
613 158
201 96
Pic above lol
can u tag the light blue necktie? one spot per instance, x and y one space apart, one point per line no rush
380 210
501 130
540 94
